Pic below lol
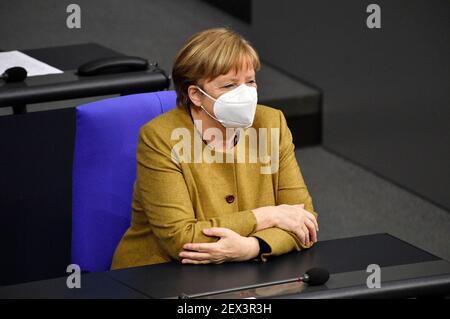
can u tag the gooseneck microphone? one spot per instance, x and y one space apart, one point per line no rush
316 276
313 277
14 74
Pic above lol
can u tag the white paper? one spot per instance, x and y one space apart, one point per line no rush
34 67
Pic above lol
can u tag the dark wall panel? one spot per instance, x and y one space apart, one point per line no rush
36 152
386 91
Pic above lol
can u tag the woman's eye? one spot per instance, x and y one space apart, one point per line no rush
251 81
228 86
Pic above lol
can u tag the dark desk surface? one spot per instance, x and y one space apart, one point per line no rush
337 256
405 271
93 286
70 57
69 85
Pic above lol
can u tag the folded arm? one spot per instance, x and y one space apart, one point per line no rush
291 190
166 201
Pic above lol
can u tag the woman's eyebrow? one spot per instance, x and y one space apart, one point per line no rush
226 81
234 79
229 79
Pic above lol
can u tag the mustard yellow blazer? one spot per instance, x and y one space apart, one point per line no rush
174 200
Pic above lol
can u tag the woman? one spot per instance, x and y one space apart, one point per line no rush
203 210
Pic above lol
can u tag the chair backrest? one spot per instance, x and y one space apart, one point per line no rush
104 171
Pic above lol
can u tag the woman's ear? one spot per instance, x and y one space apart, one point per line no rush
195 95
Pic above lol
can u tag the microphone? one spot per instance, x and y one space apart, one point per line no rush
316 276
14 74
313 277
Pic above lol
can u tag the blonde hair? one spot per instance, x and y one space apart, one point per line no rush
208 54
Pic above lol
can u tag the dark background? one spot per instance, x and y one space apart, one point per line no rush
386 91
383 95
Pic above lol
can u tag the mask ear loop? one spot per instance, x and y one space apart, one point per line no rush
206 93
204 109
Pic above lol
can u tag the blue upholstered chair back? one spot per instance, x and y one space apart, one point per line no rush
104 171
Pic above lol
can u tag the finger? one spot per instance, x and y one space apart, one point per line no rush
217 231
194 255
301 236
312 230
310 217
313 218
200 247
306 231
195 262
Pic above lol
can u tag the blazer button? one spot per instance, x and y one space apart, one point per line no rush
229 199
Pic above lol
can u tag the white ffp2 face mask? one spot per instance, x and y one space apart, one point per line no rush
236 108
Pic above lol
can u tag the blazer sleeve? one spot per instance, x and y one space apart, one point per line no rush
166 200
291 190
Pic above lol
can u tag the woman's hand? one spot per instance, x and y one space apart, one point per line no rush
296 219
293 218
230 247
